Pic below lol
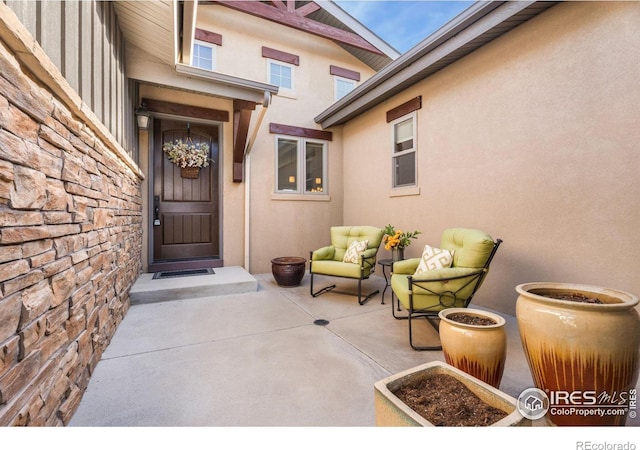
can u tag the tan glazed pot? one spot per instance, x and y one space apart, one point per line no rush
585 356
479 350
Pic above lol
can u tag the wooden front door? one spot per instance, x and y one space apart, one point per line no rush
185 212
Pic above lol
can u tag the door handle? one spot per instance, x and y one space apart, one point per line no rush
156 211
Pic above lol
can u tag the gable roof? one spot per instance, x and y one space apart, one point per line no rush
333 15
478 25
162 27
321 18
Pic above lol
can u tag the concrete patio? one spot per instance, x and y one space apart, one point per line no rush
256 358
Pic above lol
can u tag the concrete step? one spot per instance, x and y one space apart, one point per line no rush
225 280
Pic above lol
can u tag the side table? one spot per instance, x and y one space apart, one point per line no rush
387 279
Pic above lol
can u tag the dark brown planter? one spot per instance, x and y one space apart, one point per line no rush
288 270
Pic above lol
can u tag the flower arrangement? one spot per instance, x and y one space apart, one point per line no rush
397 239
187 154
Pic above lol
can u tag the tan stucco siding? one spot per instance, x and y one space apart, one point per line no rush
534 139
282 226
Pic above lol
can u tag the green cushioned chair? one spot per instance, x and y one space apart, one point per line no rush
330 260
424 295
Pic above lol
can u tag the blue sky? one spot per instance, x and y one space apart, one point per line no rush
401 23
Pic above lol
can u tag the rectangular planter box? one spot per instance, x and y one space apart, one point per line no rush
392 412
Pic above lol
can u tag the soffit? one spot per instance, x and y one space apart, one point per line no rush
149 25
375 61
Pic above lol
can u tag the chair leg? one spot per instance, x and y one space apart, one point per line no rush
423 348
361 300
408 318
321 291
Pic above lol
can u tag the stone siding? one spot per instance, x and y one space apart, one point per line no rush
70 249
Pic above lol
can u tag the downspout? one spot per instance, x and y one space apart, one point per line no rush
247 180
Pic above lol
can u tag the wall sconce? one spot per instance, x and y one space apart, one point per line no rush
142 116
292 179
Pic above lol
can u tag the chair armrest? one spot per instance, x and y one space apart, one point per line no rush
369 259
406 266
370 253
324 253
449 273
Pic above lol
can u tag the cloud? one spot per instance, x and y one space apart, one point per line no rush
403 23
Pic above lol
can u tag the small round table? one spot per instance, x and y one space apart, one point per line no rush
385 263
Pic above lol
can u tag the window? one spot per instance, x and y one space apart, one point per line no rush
280 74
404 152
343 86
300 166
203 55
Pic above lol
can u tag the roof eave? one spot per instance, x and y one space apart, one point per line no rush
228 80
339 13
464 29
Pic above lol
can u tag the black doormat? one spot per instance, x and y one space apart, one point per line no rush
182 273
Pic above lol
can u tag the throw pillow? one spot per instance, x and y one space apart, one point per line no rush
352 255
434 258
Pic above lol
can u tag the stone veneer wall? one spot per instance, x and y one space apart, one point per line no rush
70 249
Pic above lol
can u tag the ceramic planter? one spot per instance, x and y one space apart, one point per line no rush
393 412
479 350
288 270
581 354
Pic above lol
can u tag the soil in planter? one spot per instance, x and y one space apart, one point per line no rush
470 319
446 402
572 297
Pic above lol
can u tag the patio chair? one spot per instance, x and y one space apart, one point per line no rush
445 277
352 254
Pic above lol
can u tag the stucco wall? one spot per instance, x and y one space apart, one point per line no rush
532 138
70 238
281 226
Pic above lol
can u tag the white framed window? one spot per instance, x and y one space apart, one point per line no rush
204 55
301 166
342 86
281 74
404 154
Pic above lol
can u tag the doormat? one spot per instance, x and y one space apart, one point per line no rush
182 273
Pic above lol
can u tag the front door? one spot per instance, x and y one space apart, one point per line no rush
185 211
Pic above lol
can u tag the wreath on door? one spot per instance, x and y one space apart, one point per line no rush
188 156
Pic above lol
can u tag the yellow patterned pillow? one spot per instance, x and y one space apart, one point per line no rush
352 255
434 258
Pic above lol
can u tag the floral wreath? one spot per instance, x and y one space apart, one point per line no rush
187 154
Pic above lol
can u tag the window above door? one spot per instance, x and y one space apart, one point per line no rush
204 55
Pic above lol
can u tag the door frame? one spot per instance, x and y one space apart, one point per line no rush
183 264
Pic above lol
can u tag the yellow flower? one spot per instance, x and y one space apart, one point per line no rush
397 238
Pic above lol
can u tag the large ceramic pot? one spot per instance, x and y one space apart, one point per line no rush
584 356
288 270
478 347
391 411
